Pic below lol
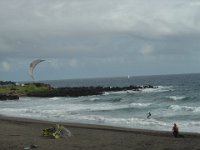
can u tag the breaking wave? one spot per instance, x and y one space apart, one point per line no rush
158 89
175 98
146 90
185 108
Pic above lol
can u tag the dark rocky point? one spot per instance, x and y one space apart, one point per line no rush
83 91
45 90
4 97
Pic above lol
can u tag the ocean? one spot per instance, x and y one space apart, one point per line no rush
176 99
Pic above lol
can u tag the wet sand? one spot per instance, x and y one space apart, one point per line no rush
16 133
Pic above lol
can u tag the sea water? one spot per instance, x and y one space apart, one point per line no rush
176 99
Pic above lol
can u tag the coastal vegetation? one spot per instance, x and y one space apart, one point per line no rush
24 89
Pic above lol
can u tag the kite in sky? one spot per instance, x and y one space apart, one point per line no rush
33 64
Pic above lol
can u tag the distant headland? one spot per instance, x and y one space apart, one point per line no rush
12 91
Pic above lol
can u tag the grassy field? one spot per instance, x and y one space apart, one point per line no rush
23 89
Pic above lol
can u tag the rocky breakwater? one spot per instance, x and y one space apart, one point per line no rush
83 91
4 97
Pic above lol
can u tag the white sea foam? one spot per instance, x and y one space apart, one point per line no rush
48 110
55 98
184 108
175 98
146 90
157 89
106 93
127 122
141 123
117 92
108 106
94 98
140 104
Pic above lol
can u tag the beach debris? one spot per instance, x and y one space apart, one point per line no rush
56 132
30 147
33 64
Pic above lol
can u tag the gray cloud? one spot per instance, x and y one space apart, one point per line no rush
112 35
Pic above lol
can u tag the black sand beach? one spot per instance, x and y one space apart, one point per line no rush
16 134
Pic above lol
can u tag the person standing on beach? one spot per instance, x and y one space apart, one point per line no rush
175 130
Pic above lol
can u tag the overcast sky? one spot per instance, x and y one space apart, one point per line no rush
98 38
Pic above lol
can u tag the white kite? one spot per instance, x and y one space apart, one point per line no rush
33 65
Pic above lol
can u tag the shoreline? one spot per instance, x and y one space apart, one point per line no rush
96 126
16 133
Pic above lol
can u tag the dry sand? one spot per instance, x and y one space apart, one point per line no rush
15 134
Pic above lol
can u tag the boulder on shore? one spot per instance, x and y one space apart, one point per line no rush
4 97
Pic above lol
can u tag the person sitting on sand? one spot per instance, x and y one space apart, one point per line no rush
175 130
149 114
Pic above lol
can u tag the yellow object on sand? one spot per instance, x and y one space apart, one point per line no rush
56 132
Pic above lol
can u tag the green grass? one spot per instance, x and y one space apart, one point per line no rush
23 90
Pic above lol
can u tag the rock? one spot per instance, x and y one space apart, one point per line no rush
4 97
83 91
